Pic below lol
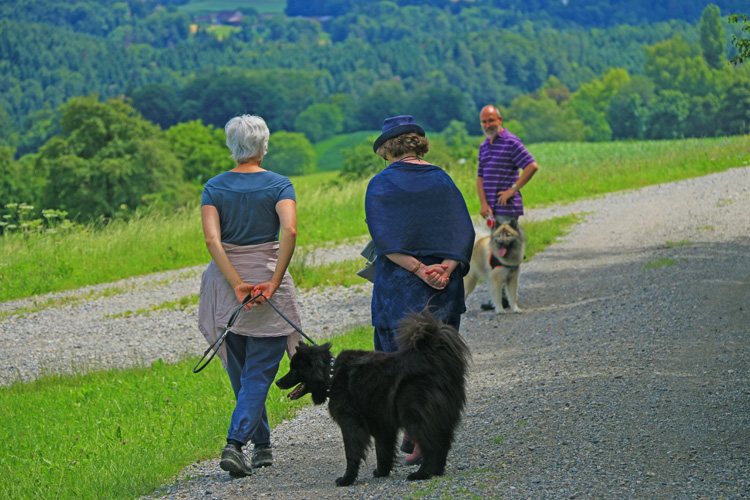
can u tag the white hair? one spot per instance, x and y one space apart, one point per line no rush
247 137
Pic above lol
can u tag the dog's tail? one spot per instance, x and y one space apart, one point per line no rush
422 331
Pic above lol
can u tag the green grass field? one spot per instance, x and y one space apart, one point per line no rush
207 6
222 32
329 154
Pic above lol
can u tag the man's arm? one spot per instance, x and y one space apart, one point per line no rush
528 173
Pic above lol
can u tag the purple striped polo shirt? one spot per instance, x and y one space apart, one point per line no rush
499 162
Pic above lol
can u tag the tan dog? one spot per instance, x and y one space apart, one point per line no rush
506 243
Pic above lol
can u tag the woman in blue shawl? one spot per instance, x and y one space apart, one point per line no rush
423 237
418 220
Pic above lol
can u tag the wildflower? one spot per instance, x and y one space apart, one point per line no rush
123 442
167 400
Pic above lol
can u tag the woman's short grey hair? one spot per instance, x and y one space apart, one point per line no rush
247 137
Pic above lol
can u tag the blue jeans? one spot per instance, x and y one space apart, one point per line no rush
252 364
385 338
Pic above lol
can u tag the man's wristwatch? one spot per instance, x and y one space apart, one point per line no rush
515 187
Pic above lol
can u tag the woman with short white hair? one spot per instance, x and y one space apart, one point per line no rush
242 211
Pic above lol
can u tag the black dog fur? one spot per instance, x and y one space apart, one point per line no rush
420 388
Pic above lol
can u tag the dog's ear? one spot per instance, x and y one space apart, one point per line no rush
514 224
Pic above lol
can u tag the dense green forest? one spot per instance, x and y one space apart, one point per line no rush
601 13
109 106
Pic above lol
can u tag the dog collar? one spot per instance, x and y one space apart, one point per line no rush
330 374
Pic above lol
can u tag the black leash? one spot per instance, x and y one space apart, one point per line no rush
219 341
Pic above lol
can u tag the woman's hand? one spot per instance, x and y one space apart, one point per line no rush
434 275
242 290
267 289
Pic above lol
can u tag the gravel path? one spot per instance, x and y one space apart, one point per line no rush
625 377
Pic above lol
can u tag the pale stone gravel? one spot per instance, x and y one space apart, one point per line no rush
621 379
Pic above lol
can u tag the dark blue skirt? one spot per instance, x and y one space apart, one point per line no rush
398 292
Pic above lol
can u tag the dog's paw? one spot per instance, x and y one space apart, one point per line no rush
378 473
344 481
418 476
516 310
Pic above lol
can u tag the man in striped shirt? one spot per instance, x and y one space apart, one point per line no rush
501 156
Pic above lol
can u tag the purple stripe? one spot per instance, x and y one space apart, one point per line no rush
499 163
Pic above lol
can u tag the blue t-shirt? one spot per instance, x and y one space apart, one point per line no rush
246 203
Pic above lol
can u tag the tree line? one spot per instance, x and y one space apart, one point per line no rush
375 59
108 161
591 13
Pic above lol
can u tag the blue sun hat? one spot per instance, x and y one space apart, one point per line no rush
396 126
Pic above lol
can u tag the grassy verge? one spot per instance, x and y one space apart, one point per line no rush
121 434
331 212
36 264
541 234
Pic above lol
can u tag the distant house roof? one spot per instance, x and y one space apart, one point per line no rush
230 17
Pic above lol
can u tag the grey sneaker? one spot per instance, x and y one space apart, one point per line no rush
262 457
234 462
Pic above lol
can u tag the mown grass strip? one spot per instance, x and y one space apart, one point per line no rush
122 434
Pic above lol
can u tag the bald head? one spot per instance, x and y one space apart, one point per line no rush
491 121
490 110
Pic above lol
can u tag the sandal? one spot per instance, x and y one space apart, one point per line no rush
407 445
416 457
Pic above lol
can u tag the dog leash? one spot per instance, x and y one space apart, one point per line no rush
220 340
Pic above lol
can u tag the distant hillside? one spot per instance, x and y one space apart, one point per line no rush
591 13
328 152
556 76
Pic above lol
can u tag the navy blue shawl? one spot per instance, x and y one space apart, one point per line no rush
418 210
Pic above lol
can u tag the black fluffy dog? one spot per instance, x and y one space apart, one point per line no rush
420 388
